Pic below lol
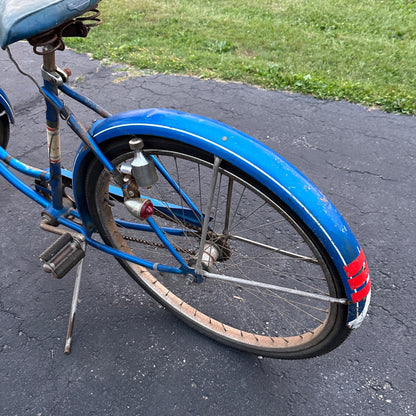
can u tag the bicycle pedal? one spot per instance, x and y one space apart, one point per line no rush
62 255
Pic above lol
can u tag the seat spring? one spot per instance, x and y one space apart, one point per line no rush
51 40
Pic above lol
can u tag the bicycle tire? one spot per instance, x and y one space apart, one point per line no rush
254 320
4 130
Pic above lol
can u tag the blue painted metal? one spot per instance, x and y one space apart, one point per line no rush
21 19
52 97
147 228
167 243
5 103
52 108
270 169
56 185
22 167
193 215
84 100
52 122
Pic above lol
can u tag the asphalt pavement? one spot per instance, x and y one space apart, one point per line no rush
132 357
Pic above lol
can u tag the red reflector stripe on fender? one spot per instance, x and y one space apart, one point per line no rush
359 280
357 273
354 267
361 294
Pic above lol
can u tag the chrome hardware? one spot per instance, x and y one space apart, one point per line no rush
139 207
56 77
210 255
142 167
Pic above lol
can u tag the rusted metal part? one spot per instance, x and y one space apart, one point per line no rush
46 225
90 19
51 40
158 245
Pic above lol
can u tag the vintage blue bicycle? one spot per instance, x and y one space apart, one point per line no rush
217 227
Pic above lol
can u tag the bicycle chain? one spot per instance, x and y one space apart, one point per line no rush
160 245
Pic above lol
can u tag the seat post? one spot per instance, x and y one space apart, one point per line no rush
49 63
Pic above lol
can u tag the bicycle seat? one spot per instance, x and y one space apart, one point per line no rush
22 19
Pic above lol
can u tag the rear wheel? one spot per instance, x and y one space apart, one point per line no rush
252 236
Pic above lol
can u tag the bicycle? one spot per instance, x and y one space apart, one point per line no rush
217 227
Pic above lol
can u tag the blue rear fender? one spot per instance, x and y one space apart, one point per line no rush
291 186
5 104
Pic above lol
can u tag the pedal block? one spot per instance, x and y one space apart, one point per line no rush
62 255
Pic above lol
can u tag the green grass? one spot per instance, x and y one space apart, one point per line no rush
361 51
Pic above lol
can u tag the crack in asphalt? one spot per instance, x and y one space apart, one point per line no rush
360 172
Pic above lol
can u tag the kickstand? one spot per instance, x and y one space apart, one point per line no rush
74 304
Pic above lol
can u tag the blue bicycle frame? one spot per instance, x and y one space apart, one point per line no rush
295 190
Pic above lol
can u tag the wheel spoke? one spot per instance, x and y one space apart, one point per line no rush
268 286
214 176
275 249
226 229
